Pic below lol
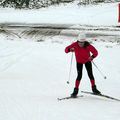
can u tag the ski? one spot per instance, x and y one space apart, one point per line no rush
101 95
69 97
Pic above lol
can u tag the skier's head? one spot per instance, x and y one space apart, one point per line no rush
81 37
82 40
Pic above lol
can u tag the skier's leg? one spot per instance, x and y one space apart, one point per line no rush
79 74
78 79
88 66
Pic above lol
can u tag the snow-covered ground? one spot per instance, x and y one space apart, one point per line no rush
102 14
34 74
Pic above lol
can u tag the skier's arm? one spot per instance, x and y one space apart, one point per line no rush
69 48
94 51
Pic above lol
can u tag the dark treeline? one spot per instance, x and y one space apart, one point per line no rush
31 3
36 4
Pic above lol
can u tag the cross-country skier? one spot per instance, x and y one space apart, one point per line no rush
84 53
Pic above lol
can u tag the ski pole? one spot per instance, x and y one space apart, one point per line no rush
99 70
70 69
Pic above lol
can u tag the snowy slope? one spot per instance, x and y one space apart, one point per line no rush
33 75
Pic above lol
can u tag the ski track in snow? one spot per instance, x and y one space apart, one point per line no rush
11 55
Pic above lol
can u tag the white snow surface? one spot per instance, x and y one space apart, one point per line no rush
101 14
34 74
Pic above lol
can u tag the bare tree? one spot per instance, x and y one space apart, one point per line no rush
5 3
26 2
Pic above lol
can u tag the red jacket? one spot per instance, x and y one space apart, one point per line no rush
82 54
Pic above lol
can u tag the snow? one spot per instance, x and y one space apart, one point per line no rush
70 14
34 74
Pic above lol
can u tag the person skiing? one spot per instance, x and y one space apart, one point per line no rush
84 53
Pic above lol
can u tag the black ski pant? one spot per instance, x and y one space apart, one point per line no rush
88 66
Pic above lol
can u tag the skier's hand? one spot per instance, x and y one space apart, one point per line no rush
72 49
90 58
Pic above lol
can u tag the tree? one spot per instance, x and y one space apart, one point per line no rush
31 3
5 3
26 2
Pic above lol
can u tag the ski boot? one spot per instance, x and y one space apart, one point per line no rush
95 90
75 92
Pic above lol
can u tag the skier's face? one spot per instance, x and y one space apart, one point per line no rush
81 43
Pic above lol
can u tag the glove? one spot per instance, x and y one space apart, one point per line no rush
71 50
91 58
